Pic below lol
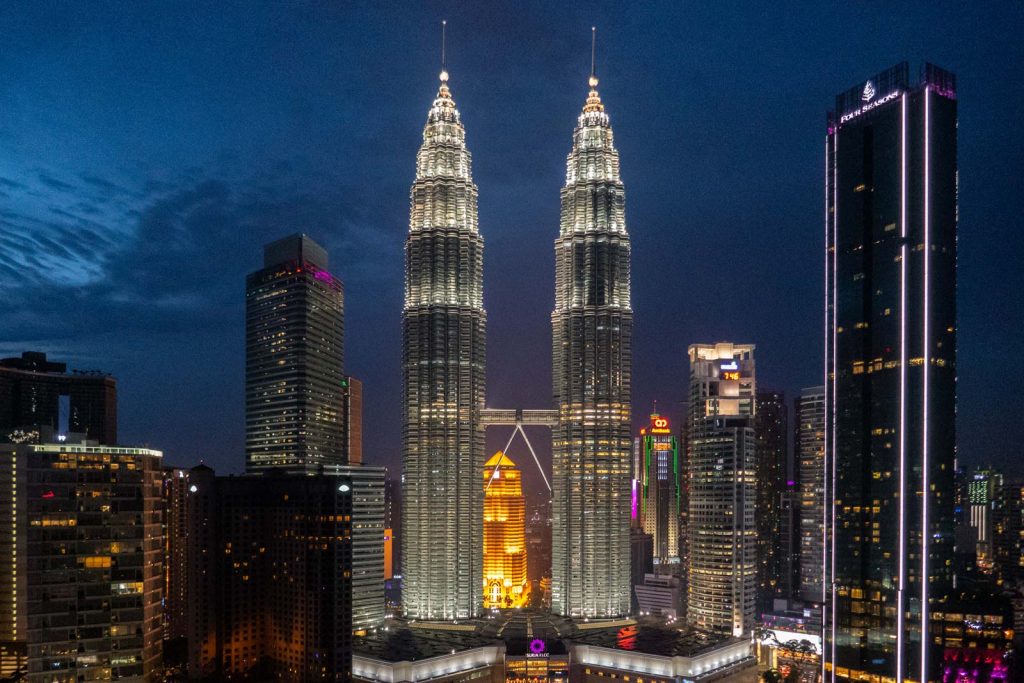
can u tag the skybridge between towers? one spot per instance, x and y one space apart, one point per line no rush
517 418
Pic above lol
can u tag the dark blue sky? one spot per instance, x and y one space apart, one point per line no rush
148 150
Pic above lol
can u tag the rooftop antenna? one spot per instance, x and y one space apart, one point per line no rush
444 30
593 50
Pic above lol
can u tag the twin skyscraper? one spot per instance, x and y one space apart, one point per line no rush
444 373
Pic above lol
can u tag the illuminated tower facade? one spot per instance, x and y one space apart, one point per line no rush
505 582
890 375
294 360
443 366
656 478
592 330
722 460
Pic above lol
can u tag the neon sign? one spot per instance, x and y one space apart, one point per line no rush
537 646
868 106
659 425
869 91
732 374
731 365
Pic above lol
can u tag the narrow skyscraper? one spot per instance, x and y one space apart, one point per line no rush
294 355
890 368
443 366
721 461
592 330
655 497
771 427
505 582
810 451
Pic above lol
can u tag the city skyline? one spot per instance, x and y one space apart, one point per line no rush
517 376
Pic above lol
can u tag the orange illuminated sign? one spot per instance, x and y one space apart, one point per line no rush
659 425
730 374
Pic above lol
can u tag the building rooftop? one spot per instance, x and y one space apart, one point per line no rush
405 644
652 636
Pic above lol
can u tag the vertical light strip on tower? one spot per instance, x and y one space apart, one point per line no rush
825 440
444 377
835 373
901 581
592 364
926 370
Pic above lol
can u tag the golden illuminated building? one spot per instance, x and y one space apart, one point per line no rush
505 583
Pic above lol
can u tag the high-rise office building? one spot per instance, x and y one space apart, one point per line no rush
505 582
294 360
788 583
810 448
983 489
722 445
641 561
368 513
393 521
655 495
592 333
352 420
771 428
81 559
443 367
175 556
684 504
538 540
270 575
39 394
1008 533
890 363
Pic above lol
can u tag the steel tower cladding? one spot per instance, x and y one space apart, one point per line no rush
592 327
444 377
890 375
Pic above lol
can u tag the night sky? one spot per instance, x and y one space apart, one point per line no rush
149 150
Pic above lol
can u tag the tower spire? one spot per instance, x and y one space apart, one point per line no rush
593 54
593 99
443 92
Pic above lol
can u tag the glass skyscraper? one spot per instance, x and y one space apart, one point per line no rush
592 332
890 394
443 366
294 360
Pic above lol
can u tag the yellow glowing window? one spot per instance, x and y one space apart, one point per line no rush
97 562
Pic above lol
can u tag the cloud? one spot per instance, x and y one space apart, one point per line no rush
54 184
174 256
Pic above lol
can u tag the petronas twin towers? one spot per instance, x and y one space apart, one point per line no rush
444 368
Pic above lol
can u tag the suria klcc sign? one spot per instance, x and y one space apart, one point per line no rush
870 102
